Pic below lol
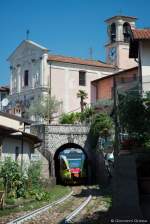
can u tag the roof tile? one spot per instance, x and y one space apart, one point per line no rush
80 61
141 34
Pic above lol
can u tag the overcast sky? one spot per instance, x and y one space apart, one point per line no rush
65 27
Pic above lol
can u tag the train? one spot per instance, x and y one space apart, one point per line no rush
72 170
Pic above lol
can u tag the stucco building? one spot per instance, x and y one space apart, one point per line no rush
36 73
140 50
125 80
15 139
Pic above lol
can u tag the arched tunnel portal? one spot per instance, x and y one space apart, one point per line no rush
68 148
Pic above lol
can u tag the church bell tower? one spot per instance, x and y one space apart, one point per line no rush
117 48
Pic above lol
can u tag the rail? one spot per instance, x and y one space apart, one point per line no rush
38 211
69 218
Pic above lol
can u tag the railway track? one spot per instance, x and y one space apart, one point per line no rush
39 211
62 211
70 217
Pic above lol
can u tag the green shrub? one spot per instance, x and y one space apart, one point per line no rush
34 174
67 118
78 117
13 180
10 172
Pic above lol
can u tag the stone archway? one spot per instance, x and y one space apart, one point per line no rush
57 162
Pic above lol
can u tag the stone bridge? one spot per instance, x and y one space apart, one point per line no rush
58 137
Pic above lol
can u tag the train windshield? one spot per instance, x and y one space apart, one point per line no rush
74 163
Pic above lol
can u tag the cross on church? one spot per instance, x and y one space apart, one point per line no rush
120 12
27 34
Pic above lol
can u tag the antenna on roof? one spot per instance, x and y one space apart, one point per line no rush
91 53
27 34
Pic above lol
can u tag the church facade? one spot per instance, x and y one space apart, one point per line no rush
35 73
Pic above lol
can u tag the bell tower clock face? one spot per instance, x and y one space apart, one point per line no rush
112 54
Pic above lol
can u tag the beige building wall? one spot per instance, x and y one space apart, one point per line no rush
11 123
65 83
9 147
124 61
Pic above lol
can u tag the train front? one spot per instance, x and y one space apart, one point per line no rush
75 166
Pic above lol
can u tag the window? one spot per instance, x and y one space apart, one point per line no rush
26 77
82 78
16 153
126 32
113 32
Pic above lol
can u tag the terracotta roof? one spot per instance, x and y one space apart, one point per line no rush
121 16
72 60
141 34
116 73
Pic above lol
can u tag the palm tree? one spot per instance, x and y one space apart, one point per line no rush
82 95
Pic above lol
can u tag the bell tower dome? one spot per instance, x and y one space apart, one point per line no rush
117 48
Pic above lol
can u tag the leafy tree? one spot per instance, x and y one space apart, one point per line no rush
134 118
102 125
44 108
132 114
82 95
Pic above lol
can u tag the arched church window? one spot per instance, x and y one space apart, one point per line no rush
126 32
26 78
113 32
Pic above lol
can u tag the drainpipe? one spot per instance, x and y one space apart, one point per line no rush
116 146
140 69
22 145
49 92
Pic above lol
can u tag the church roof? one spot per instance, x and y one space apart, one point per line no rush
35 44
141 34
27 42
121 17
73 60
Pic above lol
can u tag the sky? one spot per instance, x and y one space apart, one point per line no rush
65 27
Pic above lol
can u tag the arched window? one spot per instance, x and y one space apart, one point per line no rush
113 32
26 77
126 32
